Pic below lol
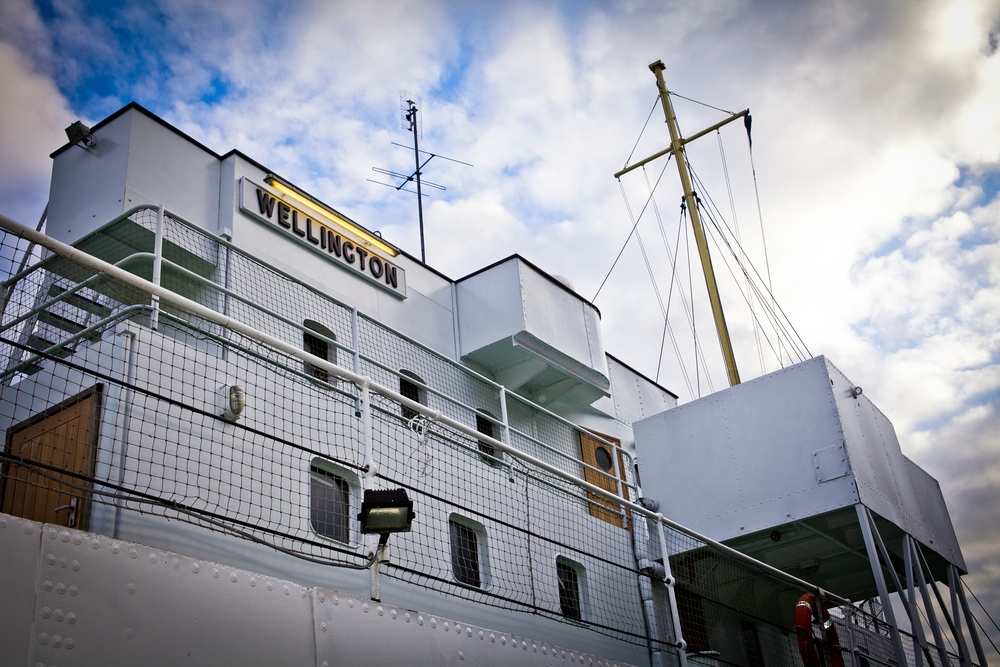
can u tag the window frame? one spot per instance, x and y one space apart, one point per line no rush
411 383
352 496
486 426
582 591
315 345
459 525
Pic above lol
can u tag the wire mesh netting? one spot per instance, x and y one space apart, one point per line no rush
146 419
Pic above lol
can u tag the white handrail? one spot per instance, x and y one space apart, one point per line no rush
225 321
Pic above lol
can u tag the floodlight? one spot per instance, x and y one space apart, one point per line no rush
386 511
78 133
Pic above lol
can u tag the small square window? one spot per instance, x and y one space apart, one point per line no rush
409 388
320 348
317 346
330 504
486 426
469 562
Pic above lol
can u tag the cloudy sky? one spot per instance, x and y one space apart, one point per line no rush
876 148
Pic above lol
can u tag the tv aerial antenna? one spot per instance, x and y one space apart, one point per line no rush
408 112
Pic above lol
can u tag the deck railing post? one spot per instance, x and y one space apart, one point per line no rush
505 424
669 582
370 468
154 316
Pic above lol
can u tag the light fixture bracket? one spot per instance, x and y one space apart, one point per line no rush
385 511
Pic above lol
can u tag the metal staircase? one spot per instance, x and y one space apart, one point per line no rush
49 314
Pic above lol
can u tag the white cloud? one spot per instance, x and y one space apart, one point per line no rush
865 117
32 116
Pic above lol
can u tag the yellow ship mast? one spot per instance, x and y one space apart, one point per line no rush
677 143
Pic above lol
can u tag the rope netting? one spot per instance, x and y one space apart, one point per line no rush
132 416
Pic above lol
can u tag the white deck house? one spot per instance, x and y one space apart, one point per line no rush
188 437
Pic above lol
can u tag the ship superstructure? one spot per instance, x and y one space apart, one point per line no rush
205 369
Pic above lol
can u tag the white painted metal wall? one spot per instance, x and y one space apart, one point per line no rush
76 598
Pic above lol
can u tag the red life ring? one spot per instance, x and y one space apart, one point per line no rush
829 643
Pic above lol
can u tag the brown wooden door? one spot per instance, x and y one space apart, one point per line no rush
62 443
597 454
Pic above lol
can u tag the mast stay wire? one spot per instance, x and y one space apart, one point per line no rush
739 240
667 328
670 254
782 324
704 104
964 583
760 219
656 100
635 223
694 325
634 230
713 215
685 302
746 296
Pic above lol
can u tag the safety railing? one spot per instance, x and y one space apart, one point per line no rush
218 425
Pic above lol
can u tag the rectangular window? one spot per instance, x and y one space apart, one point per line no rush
330 504
316 341
465 553
486 427
412 391
320 348
572 578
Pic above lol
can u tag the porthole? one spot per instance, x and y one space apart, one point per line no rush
603 457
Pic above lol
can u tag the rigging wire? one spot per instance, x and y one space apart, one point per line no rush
760 220
685 302
782 324
725 111
635 223
985 612
778 324
674 258
739 240
628 160
673 277
649 269
694 325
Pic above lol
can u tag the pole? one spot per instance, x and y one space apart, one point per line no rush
677 149
411 115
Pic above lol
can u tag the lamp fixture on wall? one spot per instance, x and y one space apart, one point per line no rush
384 511
237 401
80 135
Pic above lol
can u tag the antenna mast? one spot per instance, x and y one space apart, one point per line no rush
677 143
411 116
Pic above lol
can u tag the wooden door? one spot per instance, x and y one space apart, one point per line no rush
597 454
58 447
